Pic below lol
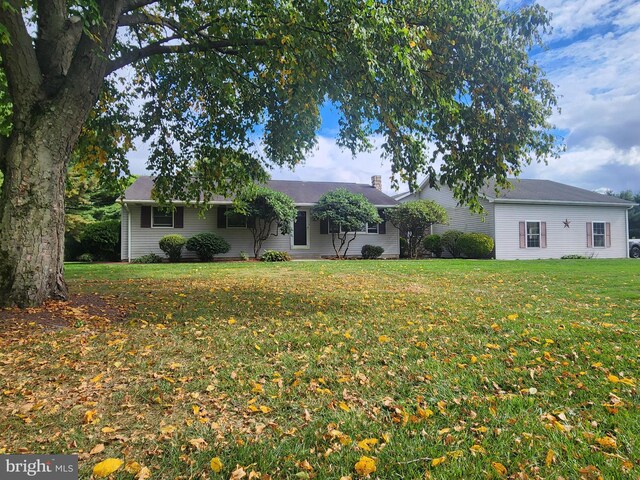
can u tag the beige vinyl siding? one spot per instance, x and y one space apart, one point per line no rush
145 240
460 217
560 240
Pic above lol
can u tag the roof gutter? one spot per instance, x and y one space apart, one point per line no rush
219 202
557 202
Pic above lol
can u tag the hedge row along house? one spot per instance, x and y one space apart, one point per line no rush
144 222
539 219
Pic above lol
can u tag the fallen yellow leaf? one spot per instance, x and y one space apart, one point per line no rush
367 443
550 458
216 464
500 468
365 466
607 442
437 461
167 429
107 467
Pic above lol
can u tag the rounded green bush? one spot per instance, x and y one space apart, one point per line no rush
475 245
275 256
433 244
371 251
172 245
450 242
206 245
102 240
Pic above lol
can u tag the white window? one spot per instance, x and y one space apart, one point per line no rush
162 217
366 228
533 234
599 235
236 220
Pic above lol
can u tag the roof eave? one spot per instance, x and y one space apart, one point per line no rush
222 202
560 202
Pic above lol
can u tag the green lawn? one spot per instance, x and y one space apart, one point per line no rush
436 369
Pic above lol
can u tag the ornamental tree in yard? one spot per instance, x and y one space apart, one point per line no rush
414 220
204 82
270 212
345 213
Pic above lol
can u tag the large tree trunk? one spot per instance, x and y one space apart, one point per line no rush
32 213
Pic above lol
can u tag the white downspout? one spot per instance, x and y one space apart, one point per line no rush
626 227
126 207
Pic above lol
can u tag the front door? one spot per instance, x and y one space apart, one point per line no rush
301 230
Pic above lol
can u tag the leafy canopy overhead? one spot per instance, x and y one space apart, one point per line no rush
222 90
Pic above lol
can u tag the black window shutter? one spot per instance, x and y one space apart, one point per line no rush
145 216
324 227
382 227
178 218
222 218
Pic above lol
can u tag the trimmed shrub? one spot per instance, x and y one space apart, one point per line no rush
206 245
449 241
275 256
102 239
148 258
371 251
433 244
404 248
475 245
85 258
172 245
574 256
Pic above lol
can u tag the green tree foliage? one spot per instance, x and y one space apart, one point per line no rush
634 213
207 80
345 213
270 212
414 220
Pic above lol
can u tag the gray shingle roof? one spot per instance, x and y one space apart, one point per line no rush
548 191
301 192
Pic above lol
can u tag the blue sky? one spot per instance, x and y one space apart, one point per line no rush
593 59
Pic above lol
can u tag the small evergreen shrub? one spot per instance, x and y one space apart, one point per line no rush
449 241
371 251
574 257
275 256
207 245
433 244
148 258
102 239
172 245
404 248
475 245
85 258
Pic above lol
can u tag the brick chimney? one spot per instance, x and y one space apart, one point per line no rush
376 182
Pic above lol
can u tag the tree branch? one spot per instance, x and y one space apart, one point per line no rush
143 18
19 59
159 48
131 5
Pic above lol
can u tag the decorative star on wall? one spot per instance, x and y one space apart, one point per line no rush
566 223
